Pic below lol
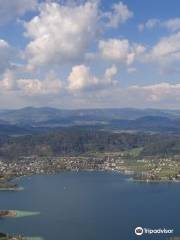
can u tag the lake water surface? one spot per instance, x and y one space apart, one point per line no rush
91 206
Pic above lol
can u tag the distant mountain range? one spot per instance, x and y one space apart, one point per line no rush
35 115
27 120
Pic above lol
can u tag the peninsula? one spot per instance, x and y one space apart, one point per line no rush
4 236
16 214
8 186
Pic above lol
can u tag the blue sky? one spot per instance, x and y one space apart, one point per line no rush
90 53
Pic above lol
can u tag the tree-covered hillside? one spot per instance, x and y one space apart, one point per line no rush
74 141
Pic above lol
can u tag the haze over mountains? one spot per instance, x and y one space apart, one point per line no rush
51 132
27 120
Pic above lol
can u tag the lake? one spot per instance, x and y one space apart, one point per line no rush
91 206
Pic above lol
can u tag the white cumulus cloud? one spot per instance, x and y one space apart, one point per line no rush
81 79
120 14
120 50
172 24
166 51
61 33
110 73
150 24
7 81
11 9
39 87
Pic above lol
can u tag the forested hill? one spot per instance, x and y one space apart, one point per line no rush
75 141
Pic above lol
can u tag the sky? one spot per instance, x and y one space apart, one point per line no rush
90 53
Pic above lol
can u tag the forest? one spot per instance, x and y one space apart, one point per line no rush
76 140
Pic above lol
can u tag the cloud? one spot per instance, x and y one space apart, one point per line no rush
158 92
81 79
172 24
11 9
3 44
83 88
39 87
7 82
155 95
166 51
120 50
69 33
29 86
5 55
110 73
119 15
150 24
60 33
